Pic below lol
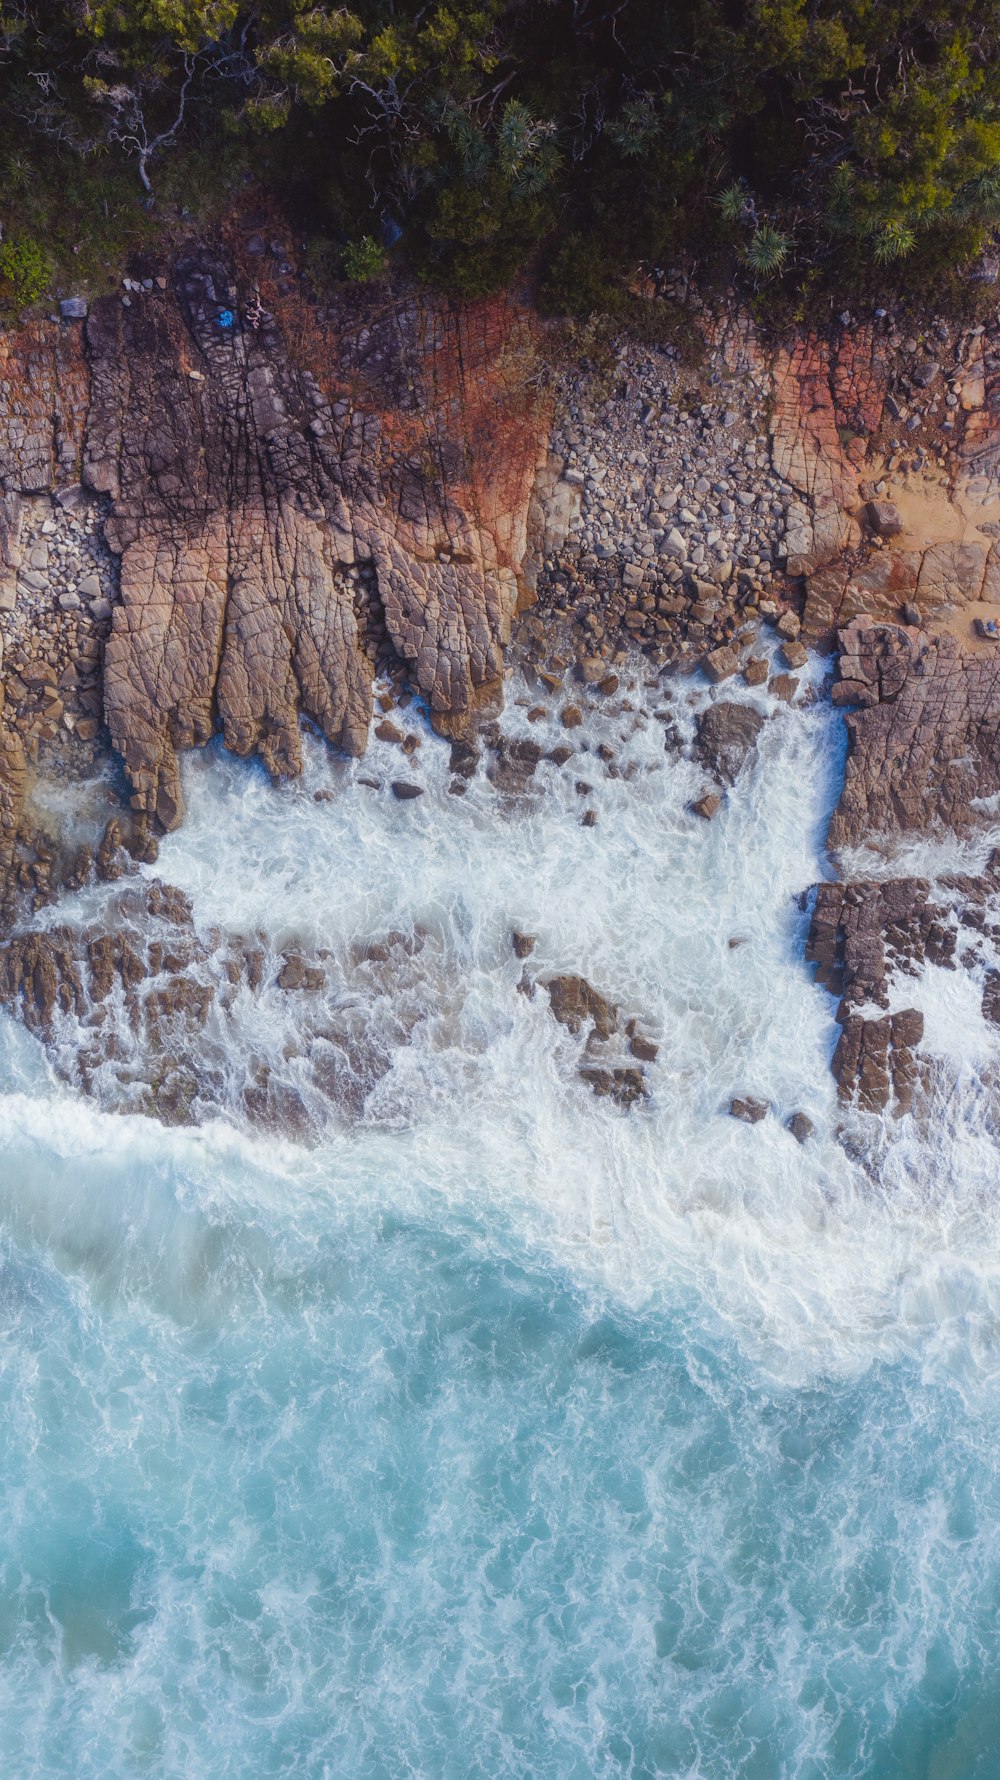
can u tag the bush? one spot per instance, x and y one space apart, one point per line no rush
24 272
363 260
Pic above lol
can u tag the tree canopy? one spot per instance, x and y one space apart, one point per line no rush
793 138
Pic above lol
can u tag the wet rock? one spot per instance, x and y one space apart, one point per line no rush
405 791
623 1085
801 1127
643 1048
720 664
783 686
756 670
571 716
707 805
748 1109
110 862
523 944
574 1002
726 738
795 655
464 759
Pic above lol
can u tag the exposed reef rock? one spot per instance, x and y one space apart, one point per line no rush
924 746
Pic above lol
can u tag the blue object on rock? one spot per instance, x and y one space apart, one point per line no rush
226 318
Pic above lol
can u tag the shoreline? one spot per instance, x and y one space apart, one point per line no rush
267 575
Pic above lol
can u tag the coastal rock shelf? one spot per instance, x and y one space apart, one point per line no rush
278 525
219 518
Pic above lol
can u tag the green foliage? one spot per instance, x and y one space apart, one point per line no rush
767 250
363 260
794 141
24 272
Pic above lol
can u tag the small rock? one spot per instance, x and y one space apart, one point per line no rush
404 791
707 805
571 716
795 654
883 519
720 664
756 670
73 308
643 1048
749 1110
523 944
801 1127
589 819
788 626
783 686
387 732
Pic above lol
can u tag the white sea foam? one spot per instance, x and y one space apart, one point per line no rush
499 1432
809 1256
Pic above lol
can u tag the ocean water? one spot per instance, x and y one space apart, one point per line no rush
492 1430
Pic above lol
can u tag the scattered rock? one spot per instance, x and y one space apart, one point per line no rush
404 791
574 1001
707 805
749 1110
801 1127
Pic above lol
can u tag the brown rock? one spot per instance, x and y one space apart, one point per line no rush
883 518
404 791
727 737
801 1127
571 716
720 664
623 1085
574 1001
756 670
523 944
707 805
749 1110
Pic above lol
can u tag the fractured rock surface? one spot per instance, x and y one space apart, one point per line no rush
923 733
279 522
239 491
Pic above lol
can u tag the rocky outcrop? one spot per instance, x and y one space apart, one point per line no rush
861 936
923 726
247 491
289 504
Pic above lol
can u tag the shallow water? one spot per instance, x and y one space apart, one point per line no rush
499 1432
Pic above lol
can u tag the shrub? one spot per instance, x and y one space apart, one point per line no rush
24 271
363 260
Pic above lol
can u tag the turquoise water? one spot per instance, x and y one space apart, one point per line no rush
500 1433
324 1492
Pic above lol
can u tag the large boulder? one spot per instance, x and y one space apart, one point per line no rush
726 738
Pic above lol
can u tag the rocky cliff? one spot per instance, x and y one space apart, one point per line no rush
261 502
281 519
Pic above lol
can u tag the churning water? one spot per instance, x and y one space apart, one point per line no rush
496 1431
